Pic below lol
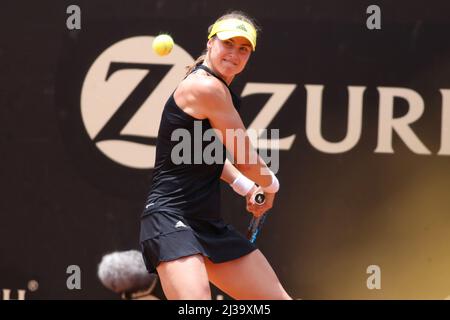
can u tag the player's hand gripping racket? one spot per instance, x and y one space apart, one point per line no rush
257 222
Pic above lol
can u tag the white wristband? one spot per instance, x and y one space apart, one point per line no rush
274 186
242 185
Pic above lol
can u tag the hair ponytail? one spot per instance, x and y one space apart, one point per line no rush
197 62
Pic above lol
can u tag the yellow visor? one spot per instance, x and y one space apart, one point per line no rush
230 28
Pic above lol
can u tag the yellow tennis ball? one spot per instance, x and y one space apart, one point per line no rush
162 44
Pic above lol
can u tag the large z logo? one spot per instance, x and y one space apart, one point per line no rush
129 107
113 128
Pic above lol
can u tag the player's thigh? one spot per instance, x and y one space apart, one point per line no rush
185 278
248 277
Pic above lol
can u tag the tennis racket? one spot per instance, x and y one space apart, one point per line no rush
257 222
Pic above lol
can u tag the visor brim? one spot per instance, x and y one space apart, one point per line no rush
225 35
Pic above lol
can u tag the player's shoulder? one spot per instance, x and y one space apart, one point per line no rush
202 86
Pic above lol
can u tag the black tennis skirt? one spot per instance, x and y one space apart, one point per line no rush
167 236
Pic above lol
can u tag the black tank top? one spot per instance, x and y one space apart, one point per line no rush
187 189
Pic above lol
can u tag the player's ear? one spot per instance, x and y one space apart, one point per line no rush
210 42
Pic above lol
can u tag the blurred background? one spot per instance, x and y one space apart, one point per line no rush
364 165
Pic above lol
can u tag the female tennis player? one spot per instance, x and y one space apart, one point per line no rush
183 236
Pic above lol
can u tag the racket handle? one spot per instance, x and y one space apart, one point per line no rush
256 223
255 226
250 228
